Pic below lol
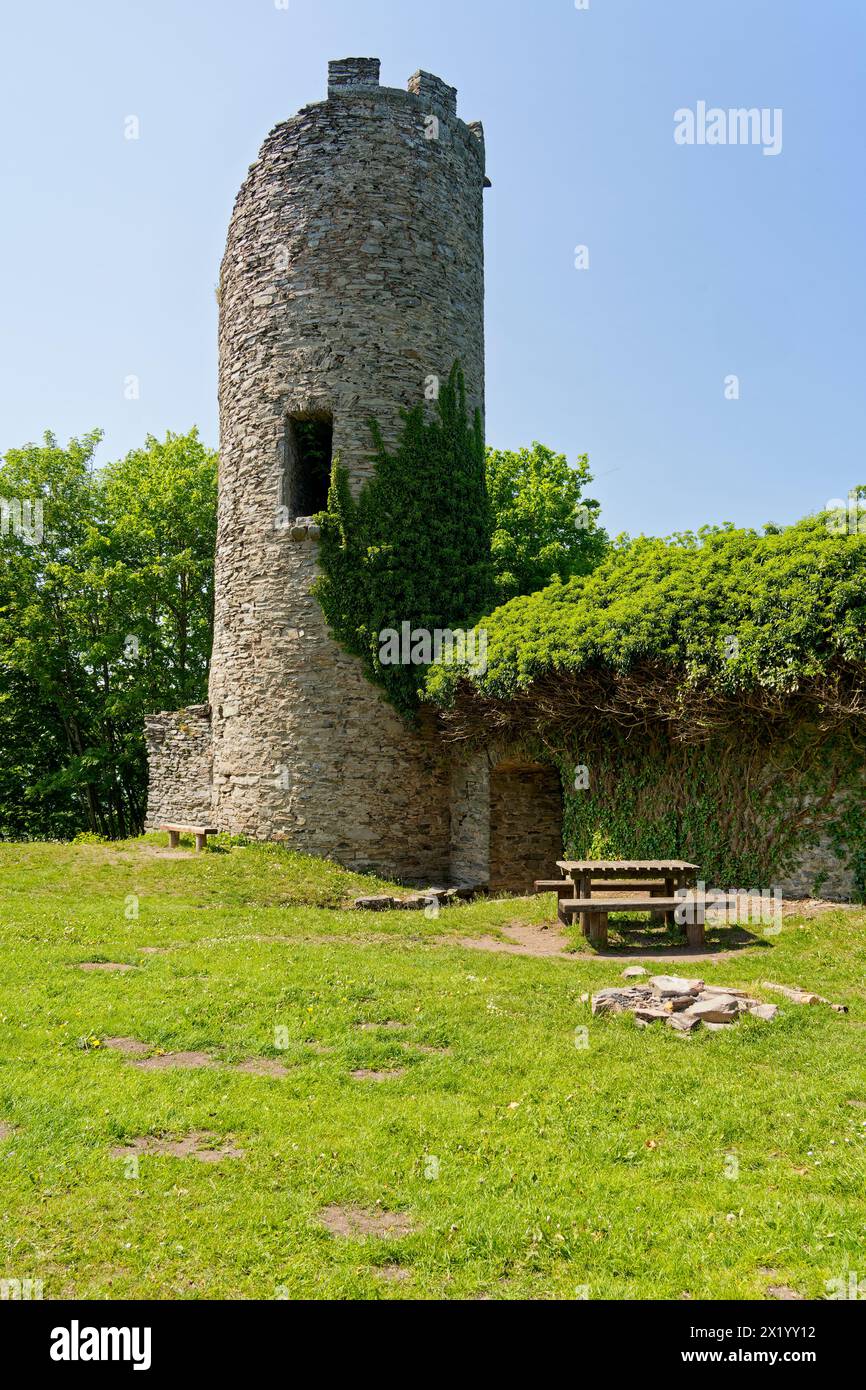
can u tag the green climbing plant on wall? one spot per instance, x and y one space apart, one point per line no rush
714 685
414 545
745 815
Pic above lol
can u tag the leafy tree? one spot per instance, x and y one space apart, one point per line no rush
160 537
544 528
104 616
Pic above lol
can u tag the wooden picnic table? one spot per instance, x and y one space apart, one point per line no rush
662 877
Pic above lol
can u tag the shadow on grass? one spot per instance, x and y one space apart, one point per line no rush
641 939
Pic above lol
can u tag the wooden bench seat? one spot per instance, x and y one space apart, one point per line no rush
622 886
562 887
200 832
594 911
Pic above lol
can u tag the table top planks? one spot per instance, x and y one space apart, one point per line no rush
624 867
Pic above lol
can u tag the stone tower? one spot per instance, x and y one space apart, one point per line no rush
353 273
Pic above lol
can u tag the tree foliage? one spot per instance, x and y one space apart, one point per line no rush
106 617
544 528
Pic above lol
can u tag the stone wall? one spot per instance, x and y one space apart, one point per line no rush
698 803
179 765
470 820
820 874
525 827
353 272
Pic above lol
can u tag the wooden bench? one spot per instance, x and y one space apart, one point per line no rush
564 888
200 832
594 911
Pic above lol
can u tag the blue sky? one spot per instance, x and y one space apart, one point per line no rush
704 262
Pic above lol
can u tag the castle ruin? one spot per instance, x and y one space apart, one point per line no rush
353 273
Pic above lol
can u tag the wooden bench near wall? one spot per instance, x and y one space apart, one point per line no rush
200 832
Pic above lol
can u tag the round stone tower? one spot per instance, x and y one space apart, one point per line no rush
353 275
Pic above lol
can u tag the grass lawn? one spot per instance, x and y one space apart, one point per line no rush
522 1164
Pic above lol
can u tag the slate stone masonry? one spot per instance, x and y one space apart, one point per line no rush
179 755
353 272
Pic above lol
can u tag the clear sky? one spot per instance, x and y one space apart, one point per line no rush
704 261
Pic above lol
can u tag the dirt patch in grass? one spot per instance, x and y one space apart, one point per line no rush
784 1294
320 1049
155 950
262 1066
153 852
394 1274
392 1075
521 941
110 965
198 1144
166 1060
392 1026
354 1223
6 1132
130 1047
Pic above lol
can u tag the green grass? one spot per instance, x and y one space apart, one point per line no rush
558 1166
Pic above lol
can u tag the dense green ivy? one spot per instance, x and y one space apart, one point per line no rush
746 815
414 546
725 610
711 684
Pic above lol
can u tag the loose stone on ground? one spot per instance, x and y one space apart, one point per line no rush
804 996
683 1005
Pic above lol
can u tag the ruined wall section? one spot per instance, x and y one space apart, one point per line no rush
179 763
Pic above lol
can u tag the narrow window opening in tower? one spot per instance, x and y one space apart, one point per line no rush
309 444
